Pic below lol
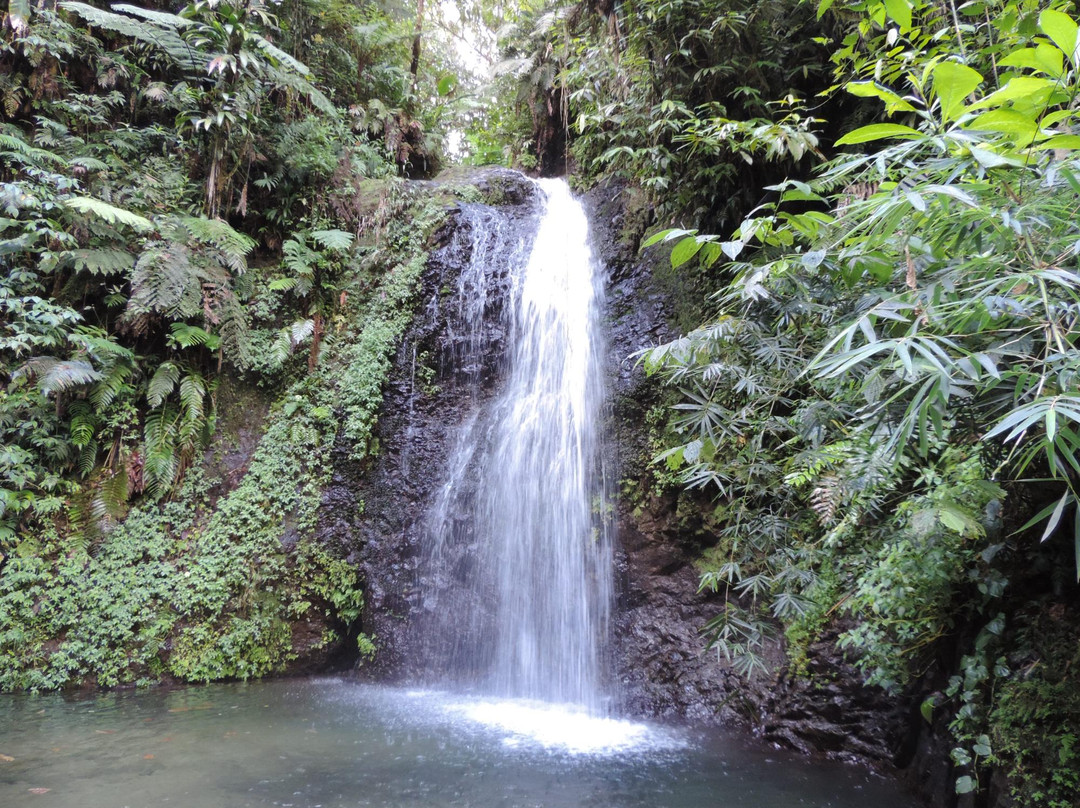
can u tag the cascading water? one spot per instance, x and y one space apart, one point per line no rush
523 492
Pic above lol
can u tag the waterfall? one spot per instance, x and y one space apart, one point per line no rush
518 523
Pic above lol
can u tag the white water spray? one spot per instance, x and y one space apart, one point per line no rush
526 474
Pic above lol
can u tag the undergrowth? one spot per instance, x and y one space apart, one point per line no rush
202 589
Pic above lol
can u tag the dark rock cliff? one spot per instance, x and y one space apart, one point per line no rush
379 511
660 667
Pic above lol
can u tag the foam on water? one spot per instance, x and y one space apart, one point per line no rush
564 728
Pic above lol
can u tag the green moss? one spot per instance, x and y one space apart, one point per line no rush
1035 725
203 590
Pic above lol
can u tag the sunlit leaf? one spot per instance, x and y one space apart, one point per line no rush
879 131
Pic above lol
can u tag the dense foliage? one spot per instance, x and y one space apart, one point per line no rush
201 216
196 207
885 400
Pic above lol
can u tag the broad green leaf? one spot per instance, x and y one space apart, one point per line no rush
1007 121
1050 59
879 131
684 251
989 159
1021 57
900 10
927 710
870 89
1028 92
446 84
732 248
710 253
953 83
1061 29
1060 142
1044 58
667 235
965 785
799 195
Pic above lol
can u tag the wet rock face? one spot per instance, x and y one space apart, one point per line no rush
660 668
829 710
378 510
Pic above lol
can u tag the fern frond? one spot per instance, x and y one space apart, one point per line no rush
303 87
109 213
190 336
101 261
162 35
58 375
336 240
301 330
97 343
162 384
88 458
160 461
283 284
826 498
233 327
25 154
281 57
166 281
114 493
282 348
192 395
89 163
83 424
111 385
218 233
159 17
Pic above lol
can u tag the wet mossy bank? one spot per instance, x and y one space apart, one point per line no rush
231 577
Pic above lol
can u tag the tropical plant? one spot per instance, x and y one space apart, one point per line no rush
895 360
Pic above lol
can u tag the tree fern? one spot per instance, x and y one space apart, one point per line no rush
101 261
109 213
161 33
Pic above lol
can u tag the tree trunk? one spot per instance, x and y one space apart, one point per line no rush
418 33
316 340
